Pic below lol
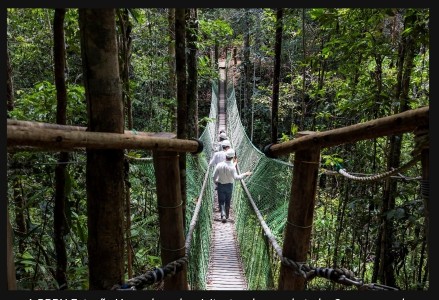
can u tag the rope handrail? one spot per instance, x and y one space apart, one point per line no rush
264 225
159 274
376 177
398 176
153 276
194 219
133 158
338 275
172 268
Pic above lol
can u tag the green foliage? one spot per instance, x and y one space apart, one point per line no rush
215 30
331 161
203 122
340 69
39 104
205 71
284 138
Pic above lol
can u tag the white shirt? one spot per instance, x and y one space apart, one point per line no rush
217 158
225 172
216 146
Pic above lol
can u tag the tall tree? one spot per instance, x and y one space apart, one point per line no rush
125 53
124 43
105 169
9 84
19 201
59 220
10 267
247 64
406 56
171 65
303 113
276 75
192 81
182 105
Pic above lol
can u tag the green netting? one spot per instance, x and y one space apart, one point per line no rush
143 179
196 168
269 187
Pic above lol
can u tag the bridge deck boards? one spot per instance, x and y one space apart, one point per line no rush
225 267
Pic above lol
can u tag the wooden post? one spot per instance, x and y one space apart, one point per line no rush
300 215
169 202
10 268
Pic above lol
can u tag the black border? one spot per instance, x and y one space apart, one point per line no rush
212 295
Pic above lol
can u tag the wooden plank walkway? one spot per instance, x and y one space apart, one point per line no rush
222 100
225 266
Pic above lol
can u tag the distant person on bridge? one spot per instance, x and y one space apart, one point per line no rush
222 137
224 175
218 157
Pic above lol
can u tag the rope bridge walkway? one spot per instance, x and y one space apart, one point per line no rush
245 252
225 268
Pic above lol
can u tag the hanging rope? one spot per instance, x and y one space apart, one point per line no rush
154 276
196 213
382 175
149 159
338 275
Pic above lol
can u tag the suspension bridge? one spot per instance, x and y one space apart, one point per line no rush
246 253
264 244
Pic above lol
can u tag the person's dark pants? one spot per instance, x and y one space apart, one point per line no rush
224 198
216 196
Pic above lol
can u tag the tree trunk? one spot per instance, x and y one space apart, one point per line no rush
245 116
341 212
127 185
59 221
276 75
104 173
406 57
172 71
182 105
125 53
9 84
216 55
303 114
192 82
10 267
20 217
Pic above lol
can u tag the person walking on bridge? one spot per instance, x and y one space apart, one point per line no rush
224 175
220 156
222 137
217 158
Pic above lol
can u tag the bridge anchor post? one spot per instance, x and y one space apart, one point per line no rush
300 215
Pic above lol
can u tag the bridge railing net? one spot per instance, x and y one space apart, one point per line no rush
269 186
142 176
196 168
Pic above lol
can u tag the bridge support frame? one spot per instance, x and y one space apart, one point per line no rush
300 215
170 209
